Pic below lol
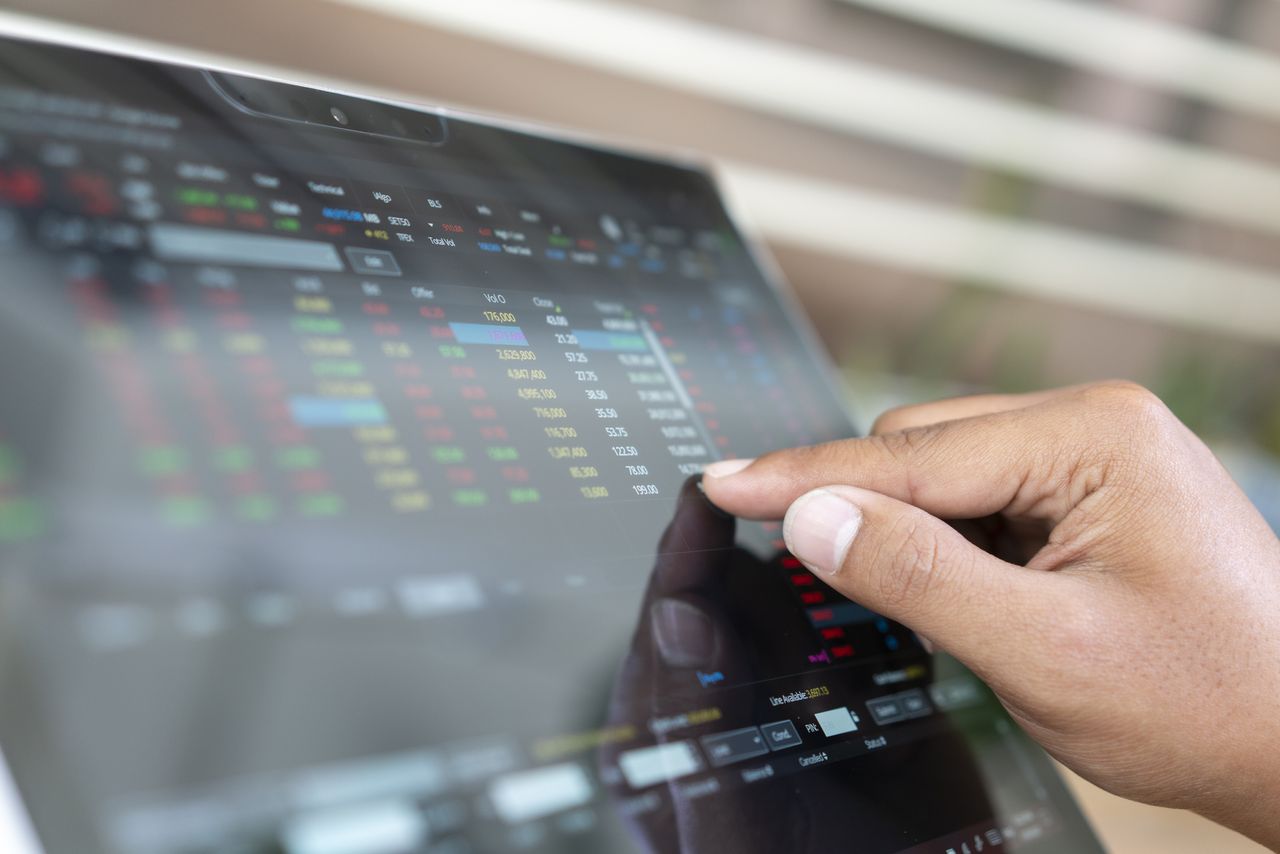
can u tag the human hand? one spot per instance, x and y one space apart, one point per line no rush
1136 634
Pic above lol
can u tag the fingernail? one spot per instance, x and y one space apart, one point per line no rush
684 634
724 468
820 527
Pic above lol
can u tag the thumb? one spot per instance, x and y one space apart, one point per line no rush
912 567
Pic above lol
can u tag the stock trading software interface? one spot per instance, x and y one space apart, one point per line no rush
348 503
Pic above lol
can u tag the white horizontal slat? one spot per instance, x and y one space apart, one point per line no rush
1061 264
1104 38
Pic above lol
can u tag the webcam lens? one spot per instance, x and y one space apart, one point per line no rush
339 116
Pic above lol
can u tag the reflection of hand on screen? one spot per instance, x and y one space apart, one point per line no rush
689 628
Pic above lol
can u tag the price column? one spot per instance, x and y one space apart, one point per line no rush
462 462
651 404
331 362
442 437
159 458
236 458
498 327
226 452
570 446
394 471
694 439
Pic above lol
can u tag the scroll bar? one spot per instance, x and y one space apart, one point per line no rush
686 401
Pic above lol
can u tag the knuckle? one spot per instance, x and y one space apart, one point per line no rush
905 445
1131 422
917 440
904 455
1128 400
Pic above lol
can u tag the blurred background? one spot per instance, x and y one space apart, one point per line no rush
965 194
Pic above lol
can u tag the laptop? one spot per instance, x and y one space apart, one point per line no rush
349 502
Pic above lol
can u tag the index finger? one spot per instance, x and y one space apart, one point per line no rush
1013 461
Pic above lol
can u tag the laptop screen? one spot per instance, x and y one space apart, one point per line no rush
349 502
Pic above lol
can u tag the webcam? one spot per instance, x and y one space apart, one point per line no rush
300 104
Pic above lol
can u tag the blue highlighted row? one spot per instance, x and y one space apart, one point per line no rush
595 339
486 333
336 412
